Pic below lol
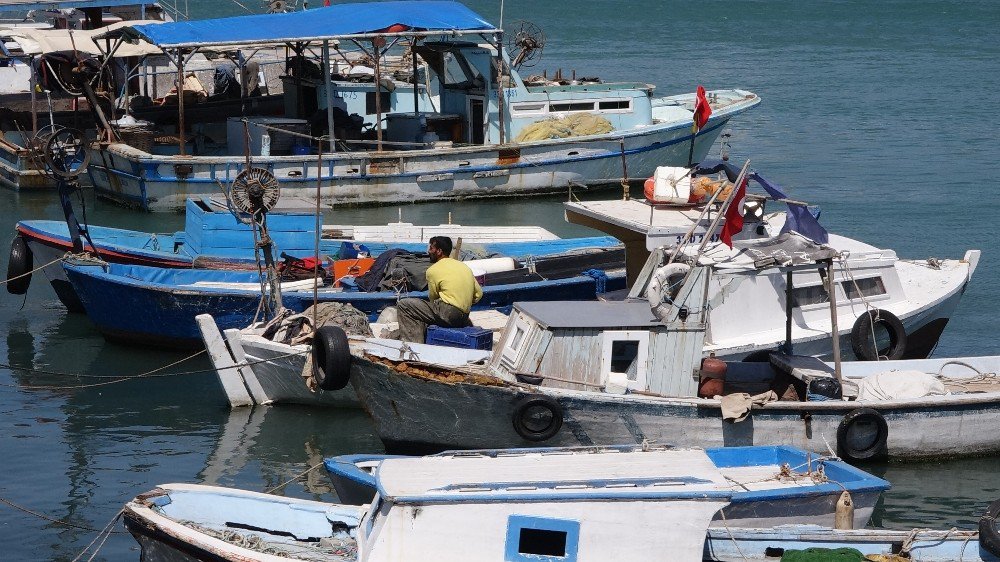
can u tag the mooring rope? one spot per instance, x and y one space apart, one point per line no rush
47 518
39 268
123 378
102 535
294 478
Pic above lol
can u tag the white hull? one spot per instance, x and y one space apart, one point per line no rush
428 415
149 182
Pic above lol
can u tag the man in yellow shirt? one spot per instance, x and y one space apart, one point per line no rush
452 289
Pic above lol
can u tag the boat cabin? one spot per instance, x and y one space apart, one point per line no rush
525 506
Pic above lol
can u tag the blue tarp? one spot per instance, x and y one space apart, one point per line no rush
339 20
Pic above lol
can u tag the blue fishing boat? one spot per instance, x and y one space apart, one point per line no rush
468 125
214 238
157 306
811 500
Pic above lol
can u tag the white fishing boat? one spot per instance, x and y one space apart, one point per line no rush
486 505
612 372
472 126
913 300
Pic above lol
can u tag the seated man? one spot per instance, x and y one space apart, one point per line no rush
452 290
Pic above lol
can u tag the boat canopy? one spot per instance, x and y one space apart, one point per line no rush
41 41
340 21
23 6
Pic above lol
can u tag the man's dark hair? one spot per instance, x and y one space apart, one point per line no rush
442 243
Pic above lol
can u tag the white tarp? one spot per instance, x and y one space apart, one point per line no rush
41 41
899 385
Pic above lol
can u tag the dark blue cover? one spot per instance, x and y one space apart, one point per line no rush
330 22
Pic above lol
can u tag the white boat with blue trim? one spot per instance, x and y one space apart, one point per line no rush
571 505
473 128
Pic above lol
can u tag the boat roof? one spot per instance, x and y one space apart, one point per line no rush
595 314
35 41
553 475
22 6
339 21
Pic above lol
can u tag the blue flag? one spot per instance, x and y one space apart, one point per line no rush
798 217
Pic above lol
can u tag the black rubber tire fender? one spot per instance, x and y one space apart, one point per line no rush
523 414
861 342
877 449
332 358
989 535
19 263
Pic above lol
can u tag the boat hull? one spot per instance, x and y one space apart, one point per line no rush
419 415
128 309
152 183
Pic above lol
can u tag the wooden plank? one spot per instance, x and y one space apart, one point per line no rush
225 367
235 343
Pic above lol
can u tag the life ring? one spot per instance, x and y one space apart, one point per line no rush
862 436
861 336
19 264
332 358
989 535
537 417
662 291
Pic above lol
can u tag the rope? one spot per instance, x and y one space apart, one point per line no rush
722 513
49 519
294 478
32 271
123 378
106 532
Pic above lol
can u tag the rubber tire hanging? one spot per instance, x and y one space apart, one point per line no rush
19 263
876 450
332 358
989 534
522 415
861 336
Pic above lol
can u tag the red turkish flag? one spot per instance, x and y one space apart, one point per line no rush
702 110
734 216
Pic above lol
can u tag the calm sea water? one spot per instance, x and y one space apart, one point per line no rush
881 113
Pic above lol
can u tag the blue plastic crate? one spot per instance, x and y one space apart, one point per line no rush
467 338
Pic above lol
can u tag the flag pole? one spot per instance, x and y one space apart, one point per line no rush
725 206
694 134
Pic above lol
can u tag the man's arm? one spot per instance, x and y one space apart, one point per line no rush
432 284
478 294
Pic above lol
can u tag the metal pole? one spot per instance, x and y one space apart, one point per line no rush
33 83
624 170
328 86
378 92
789 288
416 94
501 102
834 330
180 103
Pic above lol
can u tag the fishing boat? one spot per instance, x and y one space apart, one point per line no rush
521 505
473 126
750 469
612 372
920 294
156 306
41 33
215 237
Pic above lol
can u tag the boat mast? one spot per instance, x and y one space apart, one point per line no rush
328 86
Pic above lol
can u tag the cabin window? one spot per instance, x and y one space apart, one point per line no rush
623 357
541 539
805 296
528 107
384 99
614 105
511 353
571 106
869 287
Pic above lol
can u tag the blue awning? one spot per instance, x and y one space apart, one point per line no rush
335 22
